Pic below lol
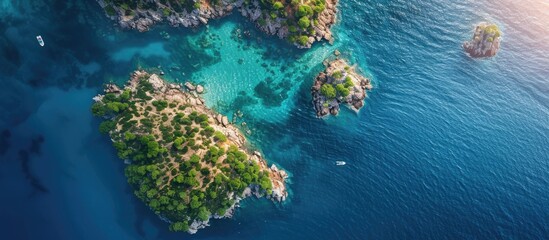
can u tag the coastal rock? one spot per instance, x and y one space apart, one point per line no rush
219 118
199 89
196 225
485 42
143 17
338 84
112 88
190 86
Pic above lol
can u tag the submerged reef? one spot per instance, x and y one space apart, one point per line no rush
485 42
186 162
300 22
339 83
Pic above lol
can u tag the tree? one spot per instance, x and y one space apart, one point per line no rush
201 118
203 214
98 109
319 8
179 226
304 22
221 211
160 105
128 136
278 5
328 91
125 96
213 194
151 193
178 143
235 184
304 10
208 131
195 202
303 40
266 183
194 159
107 126
342 90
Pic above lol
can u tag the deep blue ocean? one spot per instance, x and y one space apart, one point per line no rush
446 147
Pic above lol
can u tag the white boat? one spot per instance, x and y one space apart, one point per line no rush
40 40
340 163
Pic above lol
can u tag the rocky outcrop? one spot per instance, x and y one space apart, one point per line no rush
485 42
186 103
142 19
339 84
278 27
199 89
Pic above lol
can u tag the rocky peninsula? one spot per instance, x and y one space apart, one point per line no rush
339 84
186 162
300 22
485 42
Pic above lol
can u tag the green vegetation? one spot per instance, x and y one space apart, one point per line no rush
339 87
298 15
181 167
302 40
337 75
304 22
348 82
493 30
160 105
342 90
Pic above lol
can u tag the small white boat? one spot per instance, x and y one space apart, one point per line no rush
340 163
40 40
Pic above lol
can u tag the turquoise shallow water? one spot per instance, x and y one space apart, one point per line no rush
447 147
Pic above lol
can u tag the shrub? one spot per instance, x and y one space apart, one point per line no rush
348 82
160 105
303 40
304 10
107 126
219 136
342 90
278 5
98 109
328 91
337 75
304 22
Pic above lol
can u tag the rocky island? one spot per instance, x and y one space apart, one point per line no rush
300 22
186 162
485 42
338 83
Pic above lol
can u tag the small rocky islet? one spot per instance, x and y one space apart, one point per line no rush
485 42
300 22
186 162
339 84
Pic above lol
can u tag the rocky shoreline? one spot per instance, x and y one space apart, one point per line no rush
142 19
485 41
276 27
188 95
339 84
